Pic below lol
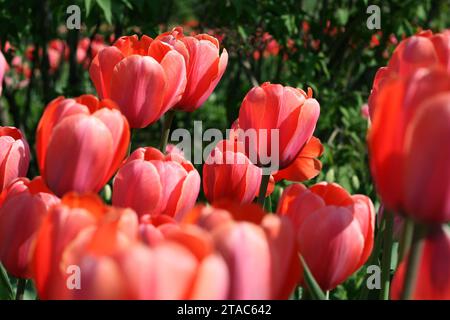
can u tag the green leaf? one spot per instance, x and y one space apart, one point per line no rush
88 5
313 286
106 7
6 291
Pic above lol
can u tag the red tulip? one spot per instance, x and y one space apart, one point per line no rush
67 225
152 183
433 280
229 174
144 77
422 50
334 229
3 68
204 66
410 169
23 206
80 143
14 155
289 111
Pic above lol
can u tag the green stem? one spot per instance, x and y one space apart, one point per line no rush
413 262
387 253
168 118
20 288
405 241
373 260
327 295
263 189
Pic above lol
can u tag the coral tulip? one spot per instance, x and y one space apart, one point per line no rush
273 109
260 250
80 143
145 77
152 183
410 169
433 280
422 50
73 220
24 205
229 174
334 229
14 155
204 65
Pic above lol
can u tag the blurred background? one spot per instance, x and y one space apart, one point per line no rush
324 45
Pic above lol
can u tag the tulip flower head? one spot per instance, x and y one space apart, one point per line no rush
424 50
23 206
152 183
410 169
334 230
14 155
145 77
80 143
276 122
433 280
229 174
204 65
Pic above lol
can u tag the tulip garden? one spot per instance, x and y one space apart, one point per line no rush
330 181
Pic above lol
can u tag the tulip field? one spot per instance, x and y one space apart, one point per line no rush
224 150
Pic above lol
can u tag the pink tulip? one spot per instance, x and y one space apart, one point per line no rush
14 155
260 250
80 143
152 183
290 111
204 65
144 77
228 174
334 229
24 205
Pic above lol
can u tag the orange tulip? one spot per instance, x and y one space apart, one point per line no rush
14 155
204 65
23 206
229 174
433 280
145 77
290 111
410 169
334 230
422 50
152 183
80 143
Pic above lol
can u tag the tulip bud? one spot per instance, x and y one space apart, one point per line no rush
152 183
14 155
